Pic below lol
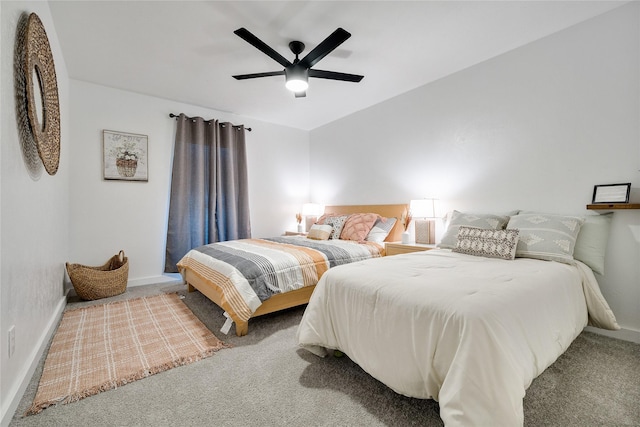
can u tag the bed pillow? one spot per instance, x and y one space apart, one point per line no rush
446 219
546 236
320 232
591 243
337 222
487 242
323 218
381 229
357 226
490 221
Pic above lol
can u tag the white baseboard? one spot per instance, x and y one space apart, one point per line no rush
622 334
24 378
163 279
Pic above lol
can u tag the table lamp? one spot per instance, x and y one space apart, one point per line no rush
311 212
423 212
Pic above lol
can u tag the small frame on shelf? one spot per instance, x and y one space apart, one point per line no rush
124 156
611 193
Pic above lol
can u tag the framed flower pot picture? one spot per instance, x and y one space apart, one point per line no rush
124 156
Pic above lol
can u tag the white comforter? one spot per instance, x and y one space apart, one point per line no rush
469 332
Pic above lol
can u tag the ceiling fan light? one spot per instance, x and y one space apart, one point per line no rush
296 85
297 79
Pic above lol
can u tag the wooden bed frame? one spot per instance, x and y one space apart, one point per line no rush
299 296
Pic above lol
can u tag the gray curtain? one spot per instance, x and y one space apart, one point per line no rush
209 196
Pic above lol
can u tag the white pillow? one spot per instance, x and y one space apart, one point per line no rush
591 243
380 230
489 221
546 236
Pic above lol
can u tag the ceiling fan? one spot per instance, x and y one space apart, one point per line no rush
297 73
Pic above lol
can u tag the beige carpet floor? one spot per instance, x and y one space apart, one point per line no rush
267 380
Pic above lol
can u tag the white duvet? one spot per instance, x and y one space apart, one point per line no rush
469 332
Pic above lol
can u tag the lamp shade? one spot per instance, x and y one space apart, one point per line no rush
297 78
423 208
312 209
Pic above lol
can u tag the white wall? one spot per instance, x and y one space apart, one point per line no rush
77 216
107 216
34 223
535 128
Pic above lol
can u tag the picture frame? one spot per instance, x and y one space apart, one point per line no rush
125 156
611 193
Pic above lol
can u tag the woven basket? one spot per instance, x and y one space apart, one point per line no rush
107 280
126 168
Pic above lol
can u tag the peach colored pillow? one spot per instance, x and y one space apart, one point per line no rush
324 217
358 226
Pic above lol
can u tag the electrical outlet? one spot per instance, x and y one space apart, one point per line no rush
12 340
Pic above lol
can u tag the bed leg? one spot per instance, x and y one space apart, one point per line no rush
190 288
242 328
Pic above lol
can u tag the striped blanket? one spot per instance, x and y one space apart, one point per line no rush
250 271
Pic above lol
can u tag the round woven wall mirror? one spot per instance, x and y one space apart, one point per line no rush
43 105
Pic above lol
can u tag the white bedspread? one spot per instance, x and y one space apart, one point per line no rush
469 332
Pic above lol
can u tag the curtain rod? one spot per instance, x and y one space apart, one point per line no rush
171 115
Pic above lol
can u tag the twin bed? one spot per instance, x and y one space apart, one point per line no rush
469 331
288 267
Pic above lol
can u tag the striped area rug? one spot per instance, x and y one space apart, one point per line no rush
102 347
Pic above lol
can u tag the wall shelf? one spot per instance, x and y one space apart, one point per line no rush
611 206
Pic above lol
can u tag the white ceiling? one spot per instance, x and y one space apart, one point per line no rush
186 50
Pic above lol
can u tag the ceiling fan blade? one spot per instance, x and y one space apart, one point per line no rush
262 46
325 47
332 75
301 94
256 75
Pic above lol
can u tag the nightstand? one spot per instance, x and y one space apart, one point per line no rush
294 233
397 248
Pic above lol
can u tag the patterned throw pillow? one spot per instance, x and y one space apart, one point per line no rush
591 243
494 222
320 232
546 236
487 242
337 222
380 229
357 226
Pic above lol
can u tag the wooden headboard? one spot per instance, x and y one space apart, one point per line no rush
390 211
